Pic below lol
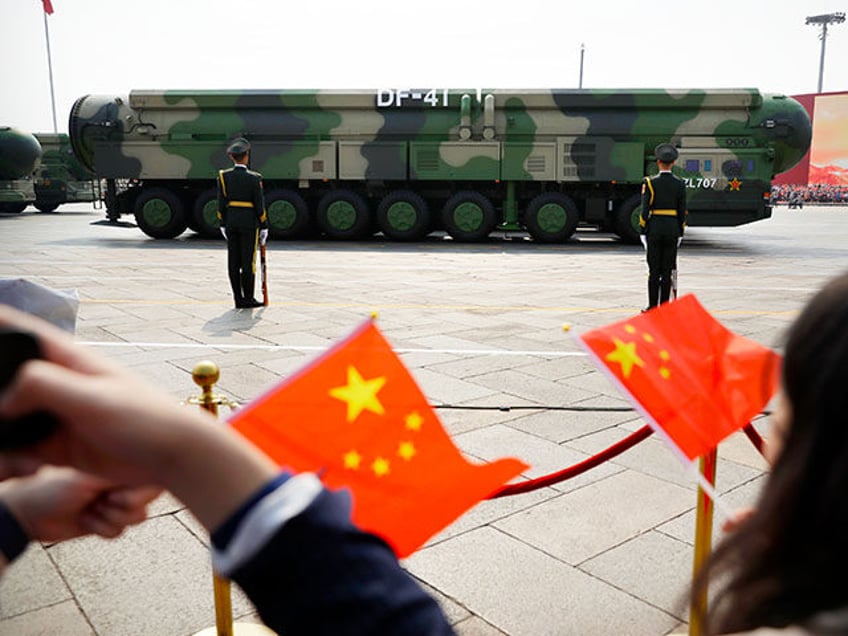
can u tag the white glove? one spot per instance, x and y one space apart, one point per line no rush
644 240
224 233
263 236
679 241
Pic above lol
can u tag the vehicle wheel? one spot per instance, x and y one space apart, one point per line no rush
403 216
46 207
13 208
469 216
159 213
288 214
343 214
205 213
551 217
627 219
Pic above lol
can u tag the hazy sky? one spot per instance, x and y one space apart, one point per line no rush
114 46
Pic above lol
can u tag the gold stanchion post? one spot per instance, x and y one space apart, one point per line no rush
703 543
205 374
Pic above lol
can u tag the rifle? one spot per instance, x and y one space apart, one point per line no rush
263 267
674 284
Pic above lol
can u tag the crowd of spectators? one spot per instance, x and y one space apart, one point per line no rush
815 193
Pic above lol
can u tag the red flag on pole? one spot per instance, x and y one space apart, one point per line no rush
357 418
48 6
694 380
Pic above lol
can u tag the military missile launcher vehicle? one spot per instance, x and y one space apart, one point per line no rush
61 178
349 163
20 154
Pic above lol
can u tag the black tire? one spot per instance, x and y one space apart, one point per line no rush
13 208
46 208
469 216
205 214
288 214
551 217
404 216
343 214
627 219
160 213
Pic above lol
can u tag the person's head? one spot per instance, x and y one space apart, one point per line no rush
787 562
666 155
239 150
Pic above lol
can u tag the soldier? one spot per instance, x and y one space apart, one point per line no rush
244 221
663 220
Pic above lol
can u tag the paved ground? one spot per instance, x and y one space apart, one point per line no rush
481 329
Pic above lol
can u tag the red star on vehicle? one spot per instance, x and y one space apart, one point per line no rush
735 184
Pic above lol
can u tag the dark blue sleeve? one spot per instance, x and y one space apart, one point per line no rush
321 575
13 539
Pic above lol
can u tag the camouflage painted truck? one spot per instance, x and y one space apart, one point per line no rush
349 163
61 178
20 154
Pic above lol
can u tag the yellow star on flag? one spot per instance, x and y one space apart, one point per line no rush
406 450
352 459
380 467
413 421
360 394
625 354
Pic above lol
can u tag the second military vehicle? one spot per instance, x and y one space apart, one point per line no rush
20 154
61 178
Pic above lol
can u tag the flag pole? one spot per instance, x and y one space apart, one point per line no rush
50 71
703 542
205 374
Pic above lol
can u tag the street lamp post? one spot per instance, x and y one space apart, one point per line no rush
823 21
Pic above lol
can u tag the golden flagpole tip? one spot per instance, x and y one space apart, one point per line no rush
374 315
566 326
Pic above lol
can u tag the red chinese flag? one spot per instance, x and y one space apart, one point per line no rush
48 6
357 418
694 380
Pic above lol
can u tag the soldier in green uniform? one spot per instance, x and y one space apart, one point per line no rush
663 220
244 221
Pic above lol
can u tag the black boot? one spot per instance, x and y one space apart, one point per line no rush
249 303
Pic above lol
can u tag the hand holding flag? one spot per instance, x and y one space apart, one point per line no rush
356 417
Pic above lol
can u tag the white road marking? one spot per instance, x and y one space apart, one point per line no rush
242 347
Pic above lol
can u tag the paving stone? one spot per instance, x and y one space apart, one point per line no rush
61 619
596 555
522 591
31 583
652 566
581 524
543 457
158 574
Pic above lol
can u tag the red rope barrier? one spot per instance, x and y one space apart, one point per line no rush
756 438
595 460
572 471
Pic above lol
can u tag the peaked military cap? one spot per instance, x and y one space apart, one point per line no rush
239 146
665 153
